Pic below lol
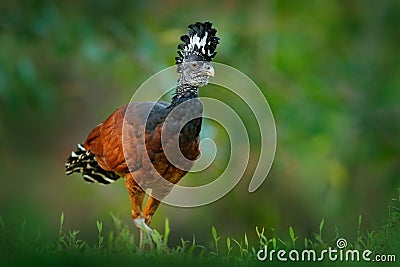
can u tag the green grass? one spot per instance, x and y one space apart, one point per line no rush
118 247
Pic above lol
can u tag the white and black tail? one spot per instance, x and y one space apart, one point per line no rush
84 162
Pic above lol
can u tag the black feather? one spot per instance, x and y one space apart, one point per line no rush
195 51
82 161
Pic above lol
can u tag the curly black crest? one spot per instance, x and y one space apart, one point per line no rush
199 44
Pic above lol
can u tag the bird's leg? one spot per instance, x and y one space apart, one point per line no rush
136 195
142 226
150 208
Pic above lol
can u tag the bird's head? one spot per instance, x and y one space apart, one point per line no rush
195 73
196 53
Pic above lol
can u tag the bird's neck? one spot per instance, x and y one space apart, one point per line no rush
184 92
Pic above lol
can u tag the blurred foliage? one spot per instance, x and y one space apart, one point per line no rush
119 246
330 71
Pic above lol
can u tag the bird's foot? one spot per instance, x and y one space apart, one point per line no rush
144 229
142 226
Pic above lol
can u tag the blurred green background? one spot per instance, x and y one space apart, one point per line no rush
330 71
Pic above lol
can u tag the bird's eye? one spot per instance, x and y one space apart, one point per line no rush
194 65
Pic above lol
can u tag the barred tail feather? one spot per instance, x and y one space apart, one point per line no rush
82 161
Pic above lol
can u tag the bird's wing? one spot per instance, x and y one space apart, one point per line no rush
93 141
105 140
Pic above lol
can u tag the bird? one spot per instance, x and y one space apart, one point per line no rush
101 157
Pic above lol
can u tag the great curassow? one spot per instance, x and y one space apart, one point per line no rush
101 157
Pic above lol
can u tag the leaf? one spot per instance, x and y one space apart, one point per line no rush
99 226
283 242
228 243
246 242
291 233
274 243
359 225
321 226
61 226
117 222
214 233
259 234
216 239
237 243
183 244
166 231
